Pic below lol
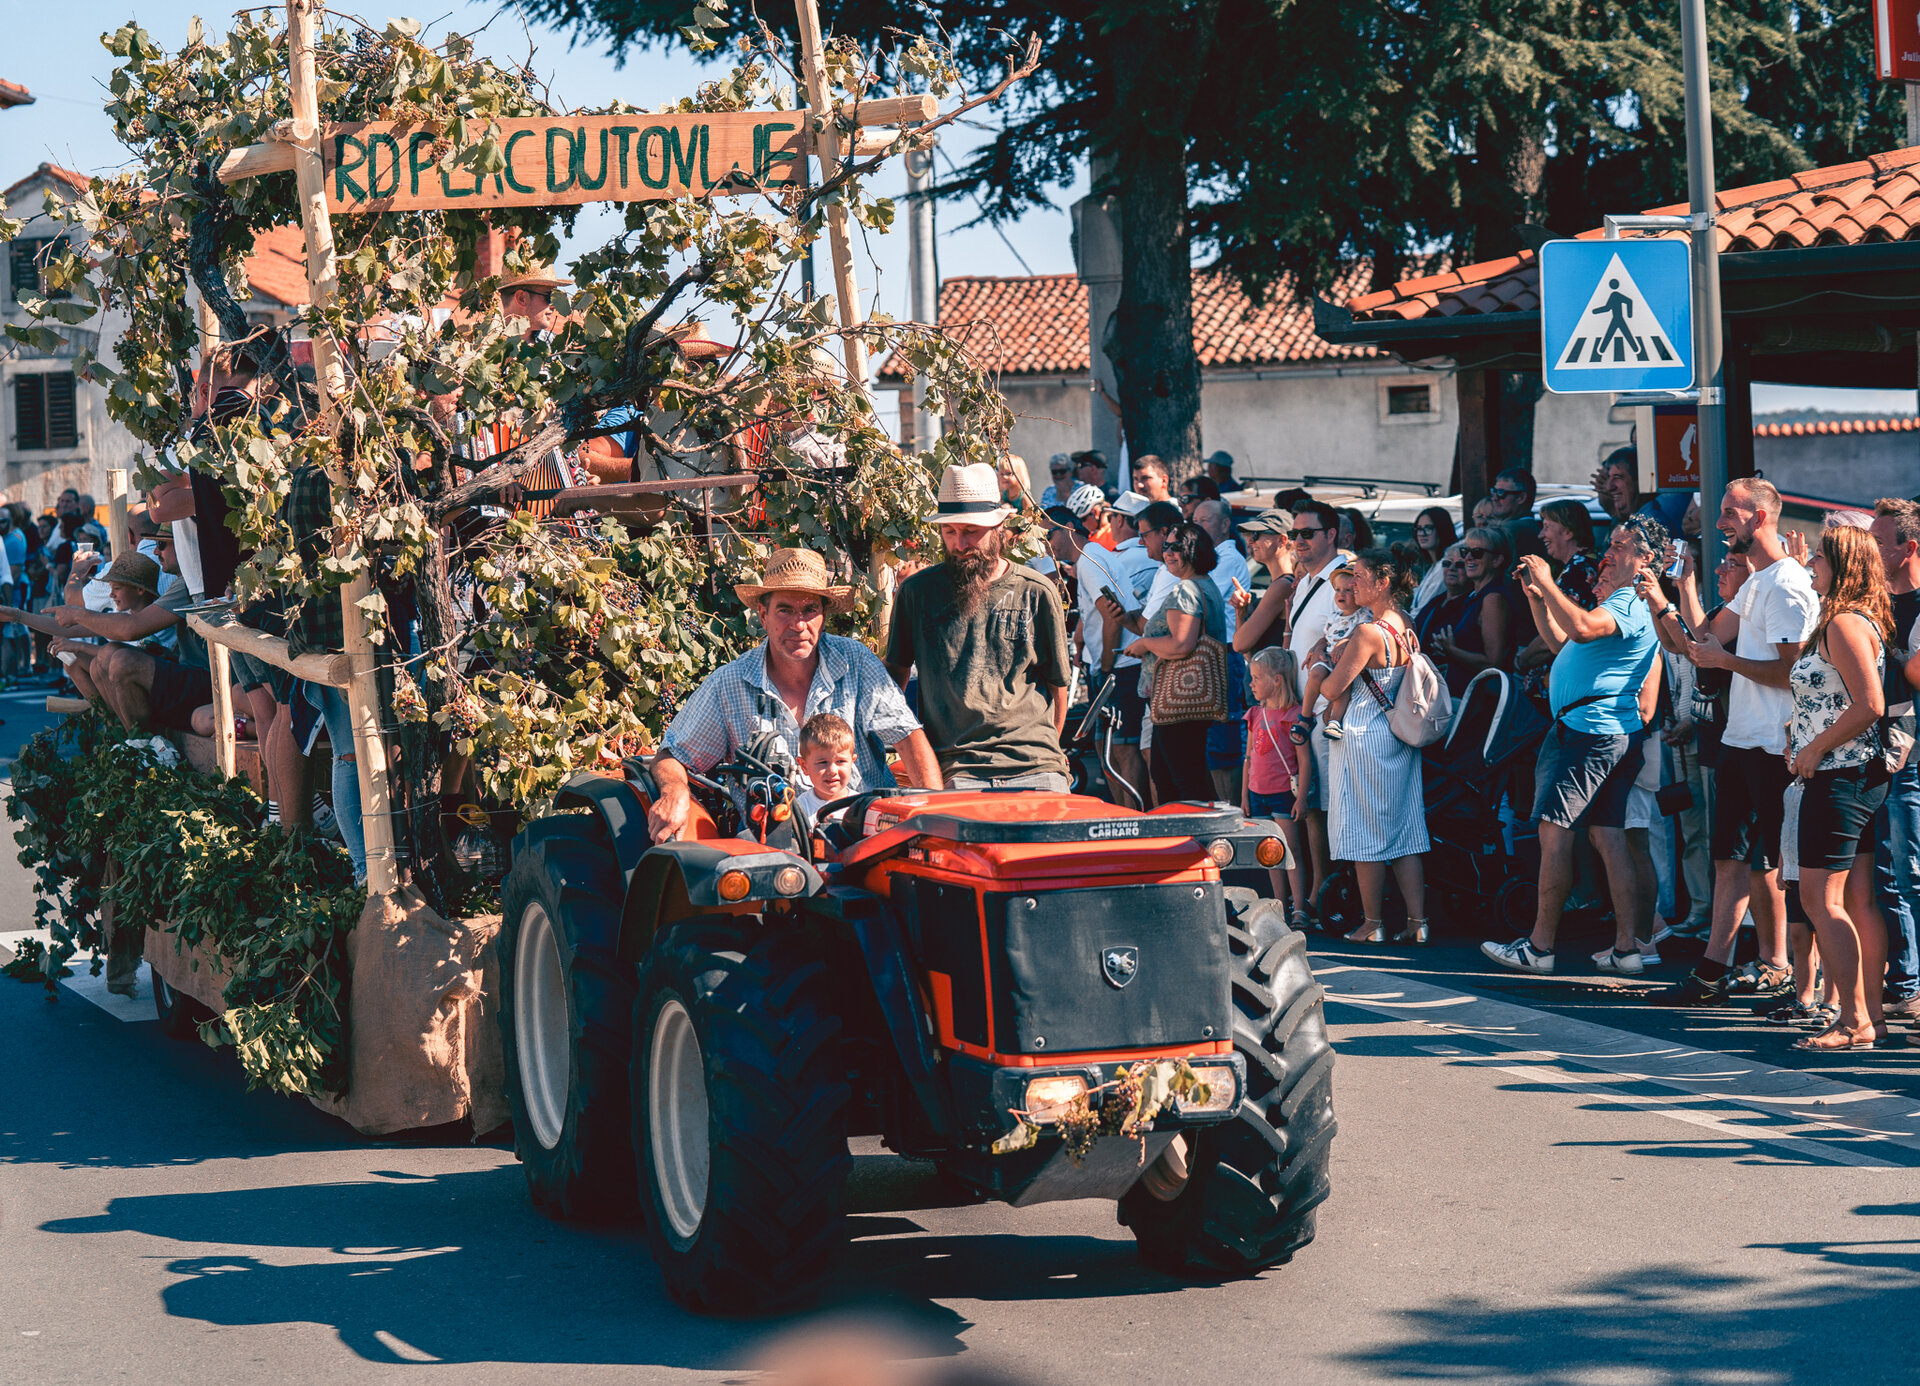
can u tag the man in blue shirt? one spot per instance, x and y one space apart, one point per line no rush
777 686
1604 669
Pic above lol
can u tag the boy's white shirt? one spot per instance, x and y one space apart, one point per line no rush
811 803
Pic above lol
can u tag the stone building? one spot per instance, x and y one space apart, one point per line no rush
54 428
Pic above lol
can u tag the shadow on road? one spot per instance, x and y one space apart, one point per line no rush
1850 1320
457 1268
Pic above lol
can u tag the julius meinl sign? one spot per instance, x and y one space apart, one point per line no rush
382 166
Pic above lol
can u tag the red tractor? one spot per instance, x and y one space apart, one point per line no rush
696 1027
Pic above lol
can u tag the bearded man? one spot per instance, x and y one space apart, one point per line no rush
989 640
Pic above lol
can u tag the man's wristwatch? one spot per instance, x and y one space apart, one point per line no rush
1665 612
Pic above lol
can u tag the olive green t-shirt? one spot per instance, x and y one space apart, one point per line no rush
986 682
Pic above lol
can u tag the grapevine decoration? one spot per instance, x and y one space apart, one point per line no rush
198 852
1126 1107
545 646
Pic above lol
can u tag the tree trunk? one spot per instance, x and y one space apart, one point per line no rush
1150 342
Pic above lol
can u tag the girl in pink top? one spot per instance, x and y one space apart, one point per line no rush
1275 778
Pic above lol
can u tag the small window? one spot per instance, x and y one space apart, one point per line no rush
26 258
1409 399
44 414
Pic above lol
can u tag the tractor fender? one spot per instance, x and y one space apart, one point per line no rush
620 809
676 879
883 946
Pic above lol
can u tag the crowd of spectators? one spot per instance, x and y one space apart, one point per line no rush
1700 763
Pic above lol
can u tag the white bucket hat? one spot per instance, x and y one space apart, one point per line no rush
970 495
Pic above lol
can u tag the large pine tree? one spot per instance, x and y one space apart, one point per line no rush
1273 136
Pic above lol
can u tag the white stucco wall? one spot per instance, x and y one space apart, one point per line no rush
1326 421
1854 468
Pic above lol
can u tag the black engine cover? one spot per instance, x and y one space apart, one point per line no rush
1119 967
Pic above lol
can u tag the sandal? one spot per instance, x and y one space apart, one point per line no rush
1803 1013
1835 1039
1370 931
1415 932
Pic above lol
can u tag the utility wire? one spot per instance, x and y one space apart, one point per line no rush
953 169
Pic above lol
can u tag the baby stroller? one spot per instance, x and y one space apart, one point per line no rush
1471 876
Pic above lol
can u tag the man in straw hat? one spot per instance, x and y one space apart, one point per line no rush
795 673
989 639
143 687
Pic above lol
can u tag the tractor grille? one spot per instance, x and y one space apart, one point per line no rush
1120 967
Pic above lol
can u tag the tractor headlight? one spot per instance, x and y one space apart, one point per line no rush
1218 1079
734 885
789 880
1271 852
1221 851
1045 1096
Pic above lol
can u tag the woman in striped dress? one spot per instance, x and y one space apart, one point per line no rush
1376 806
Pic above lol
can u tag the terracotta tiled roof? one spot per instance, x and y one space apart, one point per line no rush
13 94
278 266
1831 426
1037 325
79 182
1873 199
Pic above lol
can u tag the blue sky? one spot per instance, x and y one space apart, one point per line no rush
53 49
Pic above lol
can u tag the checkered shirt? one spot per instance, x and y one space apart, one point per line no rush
738 702
318 625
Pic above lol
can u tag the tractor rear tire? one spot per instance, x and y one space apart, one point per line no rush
1252 1184
566 1008
739 1106
180 1015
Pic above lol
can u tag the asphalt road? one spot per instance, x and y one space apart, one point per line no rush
1531 1183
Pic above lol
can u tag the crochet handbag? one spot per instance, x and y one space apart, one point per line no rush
1191 687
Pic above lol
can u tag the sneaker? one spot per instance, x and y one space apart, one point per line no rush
1691 927
1649 952
1906 1008
1694 991
1518 955
1660 936
1629 964
1334 730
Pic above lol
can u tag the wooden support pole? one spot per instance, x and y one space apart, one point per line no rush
220 665
846 285
1479 436
323 277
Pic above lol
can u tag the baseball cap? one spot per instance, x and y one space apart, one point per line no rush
1130 503
1267 522
1064 518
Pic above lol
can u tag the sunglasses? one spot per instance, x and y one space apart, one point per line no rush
1305 536
1423 529
1476 553
1505 491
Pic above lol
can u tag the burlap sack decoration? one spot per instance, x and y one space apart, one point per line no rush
423 1045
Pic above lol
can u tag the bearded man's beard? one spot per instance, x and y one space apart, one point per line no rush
972 571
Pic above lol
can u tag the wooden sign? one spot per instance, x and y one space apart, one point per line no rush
554 160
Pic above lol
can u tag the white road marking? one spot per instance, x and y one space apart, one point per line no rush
1802 1138
134 1009
1806 1112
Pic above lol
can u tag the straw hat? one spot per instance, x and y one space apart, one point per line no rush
795 570
970 495
134 569
540 277
693 342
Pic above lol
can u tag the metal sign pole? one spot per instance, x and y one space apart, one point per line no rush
1709 372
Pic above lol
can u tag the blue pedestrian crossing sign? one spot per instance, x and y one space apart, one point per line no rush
1616 315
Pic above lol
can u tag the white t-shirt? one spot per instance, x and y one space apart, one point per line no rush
1100 569
1311 607
1776 606
1228 566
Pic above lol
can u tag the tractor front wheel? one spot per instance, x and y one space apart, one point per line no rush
1240 1197
739 1114
566 1002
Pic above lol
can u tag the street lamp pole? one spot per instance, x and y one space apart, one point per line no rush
1709 348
